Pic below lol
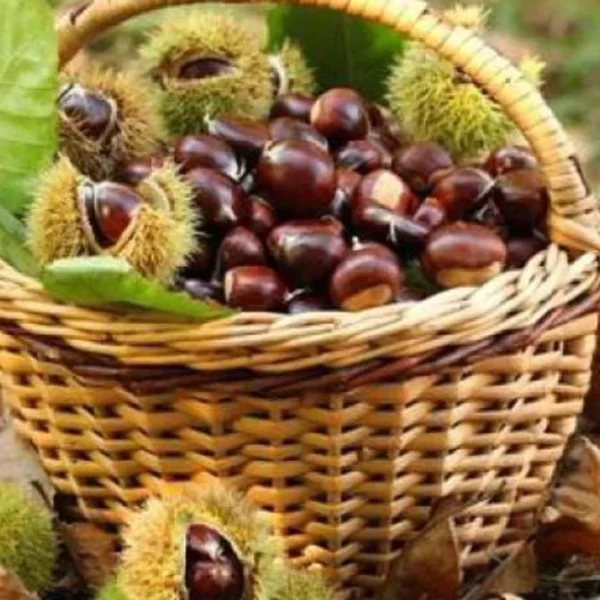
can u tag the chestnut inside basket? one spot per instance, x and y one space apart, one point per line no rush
347 427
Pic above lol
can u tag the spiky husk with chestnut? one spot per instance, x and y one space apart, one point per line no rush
105 119
154 563
437 102
207 65
28 544
291 71
156 240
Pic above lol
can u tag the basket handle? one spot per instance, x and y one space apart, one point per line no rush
574 219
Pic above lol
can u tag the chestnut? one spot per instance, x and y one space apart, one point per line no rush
200 263
94 114
201 150
521 249
386 189
254 288
418 163
363 156
286 128
263 218
298 178
200 289
366 278
510 158
347 181
303 301
246 137
107 209
221 203
306 252
341 115
522 198
296 106
460 253
489 215
135 171
240 247
430 213
213 569
462 190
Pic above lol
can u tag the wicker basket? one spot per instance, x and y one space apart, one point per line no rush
347 427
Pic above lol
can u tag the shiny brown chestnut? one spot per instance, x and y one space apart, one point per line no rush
107 209
254 288
286 128
386 189
213 569
341 115
418 163
366 278
201 67
521 249
306 252
347 181
220 202
246 137
202 150
199 289
296 106
94 114
263 218
522 198
240 247
135 171
303 301
298 178
510 158
430 213
363 156
462 190
463 254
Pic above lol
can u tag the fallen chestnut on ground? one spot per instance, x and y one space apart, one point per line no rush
419 163
213 570
297 177
341 115
221 203
458 254
510 158
254 288
201 150
306 252
368 277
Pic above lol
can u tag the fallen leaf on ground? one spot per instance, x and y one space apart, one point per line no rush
520 576
11 587
577 493
428 568
565 538
92 550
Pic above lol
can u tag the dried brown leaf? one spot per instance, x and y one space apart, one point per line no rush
520 576
11 587
565 538
577 492
93 551
429 567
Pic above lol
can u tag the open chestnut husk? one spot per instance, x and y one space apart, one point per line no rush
463 254
523 199
213 570
368 277
306 252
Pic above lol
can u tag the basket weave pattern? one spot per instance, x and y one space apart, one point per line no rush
346 427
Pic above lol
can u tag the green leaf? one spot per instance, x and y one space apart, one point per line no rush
28 85
108 281
343 50
13 244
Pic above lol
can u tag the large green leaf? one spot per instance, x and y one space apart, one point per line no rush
13 244
28 83
107 281
343 50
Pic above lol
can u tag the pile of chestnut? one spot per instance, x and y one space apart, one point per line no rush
322 206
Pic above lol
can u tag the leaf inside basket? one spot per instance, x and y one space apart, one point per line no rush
28 84
108 281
